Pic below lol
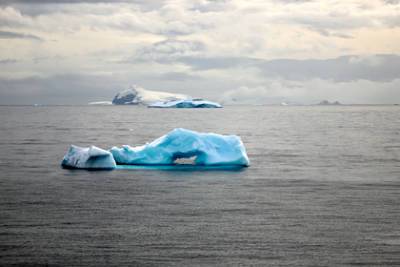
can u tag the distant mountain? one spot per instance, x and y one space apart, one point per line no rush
327 103
135 95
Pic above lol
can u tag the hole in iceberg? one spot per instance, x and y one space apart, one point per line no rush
185 160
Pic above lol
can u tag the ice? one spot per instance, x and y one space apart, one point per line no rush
138 95
185 103
100 103
127 97
205 148
88 158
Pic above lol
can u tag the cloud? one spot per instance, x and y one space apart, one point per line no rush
199 47
253 95
8 61
41 2
313 91
17 35
58 89
340 69
177 76
391 2
169 50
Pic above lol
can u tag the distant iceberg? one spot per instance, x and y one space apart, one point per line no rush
135 95
88 158
100 103
185 103
204 148
327 103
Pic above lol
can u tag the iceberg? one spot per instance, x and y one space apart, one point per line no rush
185 103
88 158
135 95
204 148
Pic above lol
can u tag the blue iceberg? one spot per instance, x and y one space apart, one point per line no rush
88 158
204 148
185 103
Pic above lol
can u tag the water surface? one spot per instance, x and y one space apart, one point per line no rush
322 189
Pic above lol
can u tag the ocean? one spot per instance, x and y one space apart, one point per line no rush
323 189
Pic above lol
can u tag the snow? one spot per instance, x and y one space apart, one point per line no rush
138 95
101 103
148 96
88 158
207 149
186 103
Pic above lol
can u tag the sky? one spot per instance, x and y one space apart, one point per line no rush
238 51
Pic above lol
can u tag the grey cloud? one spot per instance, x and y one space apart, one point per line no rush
332 21
17 35
327 33
277 91
206 63
39 2
39 7
177 76
391 2
293 1
341 69
168 50
211 6
59 89
43 7
8 61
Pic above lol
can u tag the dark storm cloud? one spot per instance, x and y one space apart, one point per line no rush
341 69
17 35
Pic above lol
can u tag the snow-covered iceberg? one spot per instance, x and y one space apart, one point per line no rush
88 158
137 95
185 103
205 149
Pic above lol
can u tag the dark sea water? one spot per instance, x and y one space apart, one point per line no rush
323 189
